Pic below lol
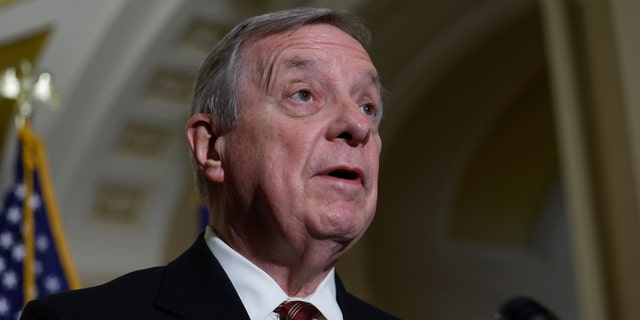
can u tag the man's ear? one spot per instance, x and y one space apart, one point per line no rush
202 140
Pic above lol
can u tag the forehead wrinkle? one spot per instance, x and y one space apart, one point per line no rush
264 68
293 63
299 63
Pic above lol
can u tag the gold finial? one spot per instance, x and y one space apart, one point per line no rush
19 85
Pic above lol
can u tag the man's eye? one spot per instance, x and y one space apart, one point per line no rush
302 95
368 109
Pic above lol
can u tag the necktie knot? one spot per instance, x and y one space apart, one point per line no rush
297 310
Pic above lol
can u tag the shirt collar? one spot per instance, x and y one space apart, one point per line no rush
259 293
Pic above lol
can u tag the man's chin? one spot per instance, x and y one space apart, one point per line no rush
340 224
341 235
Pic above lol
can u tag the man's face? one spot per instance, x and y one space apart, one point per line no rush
303 159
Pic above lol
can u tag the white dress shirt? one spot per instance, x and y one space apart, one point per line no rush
260 294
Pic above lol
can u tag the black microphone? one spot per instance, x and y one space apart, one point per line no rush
524 308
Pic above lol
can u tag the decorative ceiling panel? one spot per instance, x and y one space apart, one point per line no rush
171 84
144 140
119 203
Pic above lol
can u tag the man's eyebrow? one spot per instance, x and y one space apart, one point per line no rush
288 64
374 78
299 63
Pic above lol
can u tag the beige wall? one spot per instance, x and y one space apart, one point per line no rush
591 43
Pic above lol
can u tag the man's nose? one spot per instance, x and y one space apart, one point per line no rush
351 125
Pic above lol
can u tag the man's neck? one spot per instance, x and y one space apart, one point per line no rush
297 266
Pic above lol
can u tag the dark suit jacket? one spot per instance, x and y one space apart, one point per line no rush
194 286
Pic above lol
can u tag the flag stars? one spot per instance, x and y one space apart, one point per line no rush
20 191
14 215
18 253
42 243
6 240
3 265
4 306
35 202
10 280
52 284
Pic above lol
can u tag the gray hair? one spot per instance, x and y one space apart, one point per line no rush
218 81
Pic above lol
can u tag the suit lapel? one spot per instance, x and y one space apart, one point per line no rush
194 286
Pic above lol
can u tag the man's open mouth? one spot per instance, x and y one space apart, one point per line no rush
344 174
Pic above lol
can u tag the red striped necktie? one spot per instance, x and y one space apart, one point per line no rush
297 310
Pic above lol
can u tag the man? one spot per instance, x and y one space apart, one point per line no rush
284 137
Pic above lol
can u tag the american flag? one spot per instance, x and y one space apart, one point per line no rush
34 260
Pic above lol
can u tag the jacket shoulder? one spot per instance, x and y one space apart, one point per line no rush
364 310
106 301
353 308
